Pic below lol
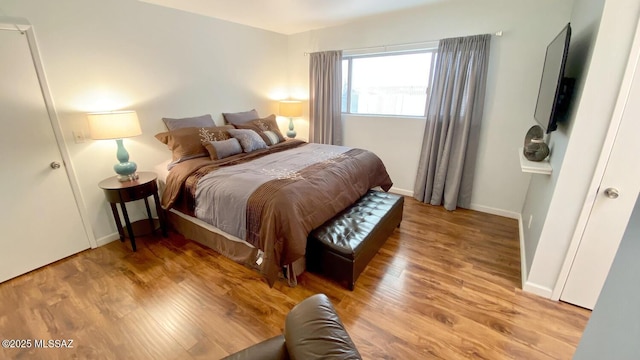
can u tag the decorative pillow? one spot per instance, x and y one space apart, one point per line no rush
187 143
240 117
249 139
198 121
222 149
271 136
266 128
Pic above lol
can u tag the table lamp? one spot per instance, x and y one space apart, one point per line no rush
290 109
117 125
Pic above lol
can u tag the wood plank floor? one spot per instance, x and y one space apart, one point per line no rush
446 285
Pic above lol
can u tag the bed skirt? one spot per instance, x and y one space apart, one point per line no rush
227 245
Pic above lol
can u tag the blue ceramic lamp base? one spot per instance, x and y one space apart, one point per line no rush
291 133
125 169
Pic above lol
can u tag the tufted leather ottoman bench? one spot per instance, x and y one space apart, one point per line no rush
342 247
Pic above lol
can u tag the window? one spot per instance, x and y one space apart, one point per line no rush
389 84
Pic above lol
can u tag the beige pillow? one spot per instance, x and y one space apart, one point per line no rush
188 143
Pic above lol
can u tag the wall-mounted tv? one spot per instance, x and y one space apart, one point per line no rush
555 90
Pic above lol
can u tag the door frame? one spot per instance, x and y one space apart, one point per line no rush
598 174
23 26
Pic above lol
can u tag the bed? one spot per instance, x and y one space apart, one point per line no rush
258 207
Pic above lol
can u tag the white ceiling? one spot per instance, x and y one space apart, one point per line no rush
290 16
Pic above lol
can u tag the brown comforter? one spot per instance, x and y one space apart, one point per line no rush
282 212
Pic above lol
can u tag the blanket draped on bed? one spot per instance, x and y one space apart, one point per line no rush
278 194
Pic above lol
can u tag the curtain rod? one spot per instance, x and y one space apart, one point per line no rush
497 33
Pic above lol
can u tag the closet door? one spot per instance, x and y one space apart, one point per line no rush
40 221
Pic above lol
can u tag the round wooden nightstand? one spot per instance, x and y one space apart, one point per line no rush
118 192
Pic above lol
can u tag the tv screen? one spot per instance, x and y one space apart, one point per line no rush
554 88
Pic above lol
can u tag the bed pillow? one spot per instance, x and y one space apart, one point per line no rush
197 121
222 149
240 117
249 139
188 143
270 137
267 128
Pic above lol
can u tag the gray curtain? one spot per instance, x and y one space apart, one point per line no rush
454 114
325 91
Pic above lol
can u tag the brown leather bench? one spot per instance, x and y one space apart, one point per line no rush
342 247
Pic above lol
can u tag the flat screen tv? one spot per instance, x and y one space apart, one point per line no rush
555 90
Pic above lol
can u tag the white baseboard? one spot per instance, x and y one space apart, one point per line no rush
399 191
523 253
528 286
536 289
476 207
495 211
107 239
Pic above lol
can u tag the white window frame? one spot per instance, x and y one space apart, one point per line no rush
349 56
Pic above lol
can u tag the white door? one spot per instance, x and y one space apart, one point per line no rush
40 220
615 200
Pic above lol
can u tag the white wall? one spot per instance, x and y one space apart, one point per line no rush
514 75
126 54
391 144
556 202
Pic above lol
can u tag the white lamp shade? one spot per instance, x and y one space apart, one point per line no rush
290 108
113 125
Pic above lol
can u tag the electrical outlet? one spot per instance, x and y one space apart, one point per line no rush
530 220
78 136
